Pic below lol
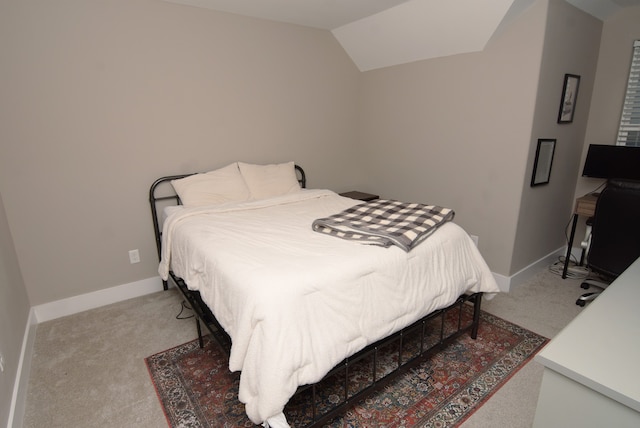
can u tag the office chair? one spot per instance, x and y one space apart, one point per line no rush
615 235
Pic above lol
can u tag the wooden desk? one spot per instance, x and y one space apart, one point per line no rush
585 206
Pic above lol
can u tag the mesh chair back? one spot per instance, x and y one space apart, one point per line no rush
615 239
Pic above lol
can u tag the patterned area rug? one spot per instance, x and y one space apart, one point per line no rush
196 388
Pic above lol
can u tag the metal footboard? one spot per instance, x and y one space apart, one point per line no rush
407 347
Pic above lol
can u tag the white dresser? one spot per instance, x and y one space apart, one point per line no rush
592 367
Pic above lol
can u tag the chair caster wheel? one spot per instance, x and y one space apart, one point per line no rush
585 285
580 302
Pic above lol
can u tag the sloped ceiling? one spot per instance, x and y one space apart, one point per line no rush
602 9
381 33
326 14
421 29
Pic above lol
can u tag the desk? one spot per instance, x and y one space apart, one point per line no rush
585 206
590 374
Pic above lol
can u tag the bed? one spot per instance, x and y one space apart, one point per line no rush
291 305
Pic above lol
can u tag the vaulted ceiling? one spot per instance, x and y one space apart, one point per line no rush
381 33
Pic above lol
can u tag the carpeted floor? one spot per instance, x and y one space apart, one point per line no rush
196 388
88 369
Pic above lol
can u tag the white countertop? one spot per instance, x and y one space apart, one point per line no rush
600 348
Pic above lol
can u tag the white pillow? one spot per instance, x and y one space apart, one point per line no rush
215 187
267 181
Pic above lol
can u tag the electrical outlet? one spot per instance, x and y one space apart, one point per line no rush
1 363
134 256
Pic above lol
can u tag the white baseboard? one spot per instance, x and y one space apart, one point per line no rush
19 396
506 282
96 299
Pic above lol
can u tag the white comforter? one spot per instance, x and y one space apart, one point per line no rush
296 302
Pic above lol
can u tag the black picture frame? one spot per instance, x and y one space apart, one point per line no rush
569 98
543 161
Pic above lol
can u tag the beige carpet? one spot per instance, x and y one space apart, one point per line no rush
88 369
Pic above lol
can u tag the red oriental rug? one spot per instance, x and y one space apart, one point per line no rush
196 388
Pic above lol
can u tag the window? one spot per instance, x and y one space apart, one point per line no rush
629 132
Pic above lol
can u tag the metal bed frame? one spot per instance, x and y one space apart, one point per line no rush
412 344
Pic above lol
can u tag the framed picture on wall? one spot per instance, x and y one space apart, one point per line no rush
569 98
543 161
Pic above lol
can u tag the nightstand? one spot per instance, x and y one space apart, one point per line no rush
362 196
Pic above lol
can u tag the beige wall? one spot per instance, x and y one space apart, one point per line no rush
14 312
462 131
572 41
455 131
99 98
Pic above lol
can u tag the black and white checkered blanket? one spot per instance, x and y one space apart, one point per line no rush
384 222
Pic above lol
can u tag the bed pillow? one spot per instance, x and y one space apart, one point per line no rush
215 187
267 181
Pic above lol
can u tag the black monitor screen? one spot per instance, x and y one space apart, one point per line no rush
612 162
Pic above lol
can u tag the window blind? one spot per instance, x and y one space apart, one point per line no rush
629 132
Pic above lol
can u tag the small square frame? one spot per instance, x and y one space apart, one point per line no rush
569 98
543 161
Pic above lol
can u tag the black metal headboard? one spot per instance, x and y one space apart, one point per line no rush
169 197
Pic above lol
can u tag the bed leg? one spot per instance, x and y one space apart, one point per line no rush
200 340
477 302
165 285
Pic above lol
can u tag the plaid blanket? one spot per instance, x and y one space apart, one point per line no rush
385 223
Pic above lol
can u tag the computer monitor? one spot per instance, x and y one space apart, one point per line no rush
612 162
